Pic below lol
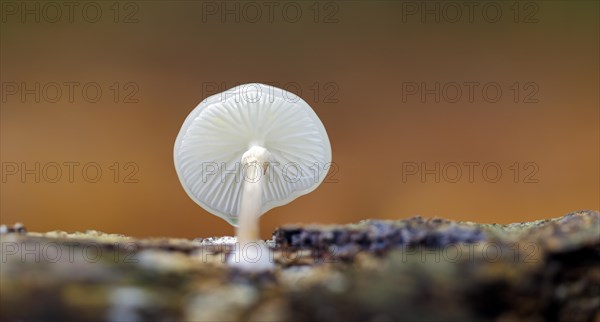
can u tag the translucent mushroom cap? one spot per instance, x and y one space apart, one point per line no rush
209 148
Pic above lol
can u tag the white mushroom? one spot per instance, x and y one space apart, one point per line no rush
249 149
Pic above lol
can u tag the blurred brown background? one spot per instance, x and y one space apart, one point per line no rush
361 65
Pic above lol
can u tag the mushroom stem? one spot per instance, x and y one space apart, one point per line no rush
254 163
248 229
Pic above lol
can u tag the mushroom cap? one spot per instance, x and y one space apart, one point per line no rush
209 148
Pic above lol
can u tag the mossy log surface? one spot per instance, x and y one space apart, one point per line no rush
411 269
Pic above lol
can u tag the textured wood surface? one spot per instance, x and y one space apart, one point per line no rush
411 269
